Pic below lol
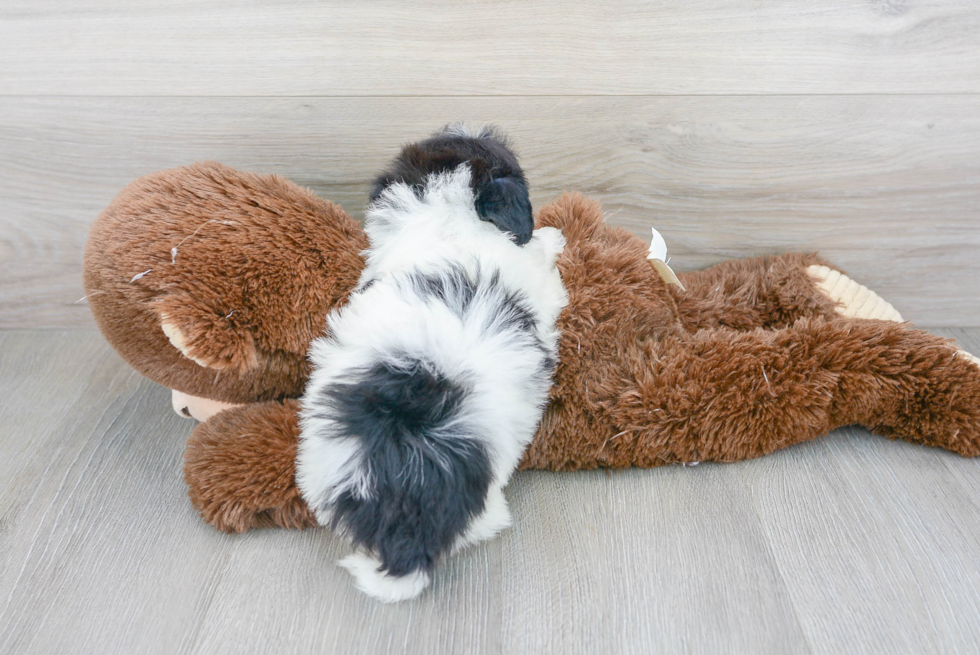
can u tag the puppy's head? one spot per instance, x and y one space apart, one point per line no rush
499 186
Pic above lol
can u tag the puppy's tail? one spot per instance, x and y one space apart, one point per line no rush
425 475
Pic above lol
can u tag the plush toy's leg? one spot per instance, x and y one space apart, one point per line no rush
727 395
719 395
744 294
772 293
240 466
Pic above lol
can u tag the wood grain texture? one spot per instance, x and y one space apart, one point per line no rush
885 561
540 47
886 187
670 560
848 544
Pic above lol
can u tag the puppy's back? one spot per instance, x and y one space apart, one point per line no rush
424 397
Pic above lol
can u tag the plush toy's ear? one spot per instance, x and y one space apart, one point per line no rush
505 202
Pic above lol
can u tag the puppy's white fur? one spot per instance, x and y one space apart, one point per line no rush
385 320
495 518
387 588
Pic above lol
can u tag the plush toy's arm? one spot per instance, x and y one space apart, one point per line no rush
240 468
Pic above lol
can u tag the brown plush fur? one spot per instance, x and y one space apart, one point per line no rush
749 359
250 485
742 294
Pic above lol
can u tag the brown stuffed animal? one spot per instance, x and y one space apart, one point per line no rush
213 282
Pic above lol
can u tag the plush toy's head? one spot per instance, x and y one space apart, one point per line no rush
498 182
213 282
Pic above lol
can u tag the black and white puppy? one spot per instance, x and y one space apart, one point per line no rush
432 379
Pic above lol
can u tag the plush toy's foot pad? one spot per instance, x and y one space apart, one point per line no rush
854 300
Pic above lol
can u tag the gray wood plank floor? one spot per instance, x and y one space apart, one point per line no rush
535 47
851 543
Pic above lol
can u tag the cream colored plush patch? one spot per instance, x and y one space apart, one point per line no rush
199 409
972 358
179 341
854 300
858 301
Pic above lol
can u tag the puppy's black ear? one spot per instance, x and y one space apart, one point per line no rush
505 202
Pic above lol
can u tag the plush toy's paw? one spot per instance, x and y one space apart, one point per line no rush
854 300
240 468
199 409
377 584
957 403
939 396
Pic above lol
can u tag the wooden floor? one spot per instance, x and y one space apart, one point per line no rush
737 128
851 544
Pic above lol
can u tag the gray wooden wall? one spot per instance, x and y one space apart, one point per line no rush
735 127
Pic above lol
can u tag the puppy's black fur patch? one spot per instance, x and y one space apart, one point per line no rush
455 289
498 182
424 487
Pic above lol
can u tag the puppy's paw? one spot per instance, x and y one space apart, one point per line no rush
494 519
550 240
375 583
853 300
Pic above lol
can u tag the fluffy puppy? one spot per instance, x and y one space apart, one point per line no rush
432 379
